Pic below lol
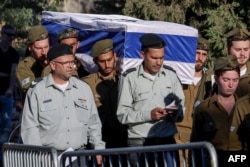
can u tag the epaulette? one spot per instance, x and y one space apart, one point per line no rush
128 71
33 83
169 68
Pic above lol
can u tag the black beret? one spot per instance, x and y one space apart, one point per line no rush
151 40
59 50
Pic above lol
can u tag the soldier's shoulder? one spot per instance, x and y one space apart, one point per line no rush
35 82
166 67
243 99
26 61
128 71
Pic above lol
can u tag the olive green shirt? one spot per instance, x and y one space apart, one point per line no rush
27 71
214 124
139 94
244 83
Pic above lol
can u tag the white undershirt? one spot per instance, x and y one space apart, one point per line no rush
63 86
242 72
196 80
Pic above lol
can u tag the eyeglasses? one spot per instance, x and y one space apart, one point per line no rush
71 63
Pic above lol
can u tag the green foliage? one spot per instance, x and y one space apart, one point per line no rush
213 18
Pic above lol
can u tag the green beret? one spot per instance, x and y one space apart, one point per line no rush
37 33
67 33
226 63
203 44
151 40
238 33
101 47
59 50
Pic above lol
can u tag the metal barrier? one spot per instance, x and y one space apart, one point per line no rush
20 155
203 152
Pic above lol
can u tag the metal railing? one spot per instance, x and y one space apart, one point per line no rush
203 152
20 155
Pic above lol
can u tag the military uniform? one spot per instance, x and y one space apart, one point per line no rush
29 69
244 83
194 94
58 116
105 91
239 34
213 123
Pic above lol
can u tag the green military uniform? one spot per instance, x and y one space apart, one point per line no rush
29 69
211 121
239 34
244 84
105 91
194 94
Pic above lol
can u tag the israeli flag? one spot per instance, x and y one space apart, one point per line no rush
125 32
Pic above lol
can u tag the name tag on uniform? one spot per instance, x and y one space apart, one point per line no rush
232 128
25 81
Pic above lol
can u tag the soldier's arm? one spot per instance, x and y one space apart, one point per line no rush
30 123
125 111
94 124
24 76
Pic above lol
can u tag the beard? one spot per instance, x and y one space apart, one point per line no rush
198 67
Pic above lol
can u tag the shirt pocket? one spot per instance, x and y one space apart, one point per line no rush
49 114
82 111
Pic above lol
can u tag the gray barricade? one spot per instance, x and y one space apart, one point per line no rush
201 152
20 155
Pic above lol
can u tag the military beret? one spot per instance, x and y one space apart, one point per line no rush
102 46
238 33
59 50
67 33
203 44
151 40
37 33
226 63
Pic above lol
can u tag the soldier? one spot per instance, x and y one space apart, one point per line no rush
104 85
150 97
238 44
214 119
32 66
70 37
194 93
60 110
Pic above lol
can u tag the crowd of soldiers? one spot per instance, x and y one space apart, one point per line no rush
145 105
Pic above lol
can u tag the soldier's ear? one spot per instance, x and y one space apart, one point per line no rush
52 65
142 54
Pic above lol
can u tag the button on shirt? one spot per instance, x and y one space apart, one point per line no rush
60 119
139 94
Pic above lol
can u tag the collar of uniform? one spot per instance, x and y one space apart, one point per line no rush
142 72
50 82
248 68
214 99
99 75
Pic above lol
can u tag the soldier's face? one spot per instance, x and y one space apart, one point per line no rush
241 49
227 82
106 62
200 59
73 42
63 67
39 50
153 60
